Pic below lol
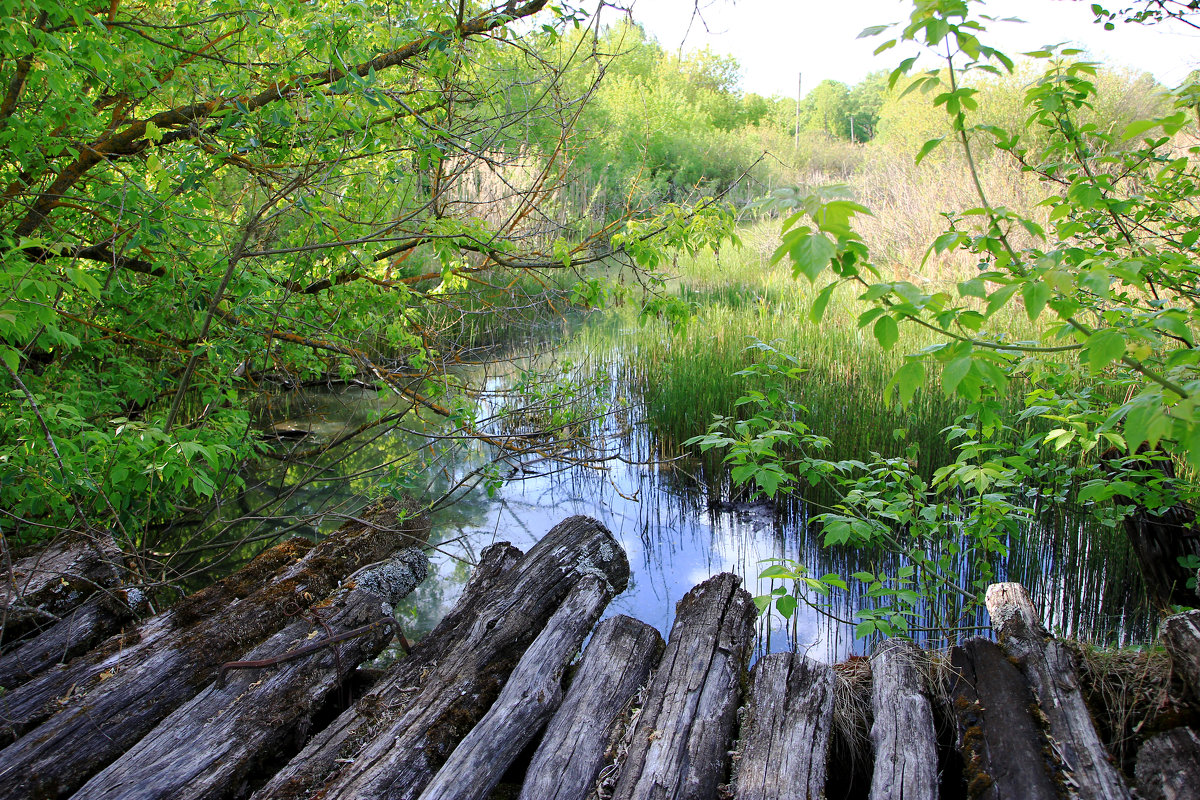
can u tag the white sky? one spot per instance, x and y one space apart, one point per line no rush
773 40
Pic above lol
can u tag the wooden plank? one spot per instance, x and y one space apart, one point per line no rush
1052 674
785 733
906 759
208 746
572 752
530 697
393 741
40 588
1168 766
1003 747
79 630
123 690
681 742
1181 636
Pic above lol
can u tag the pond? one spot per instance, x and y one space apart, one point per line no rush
675 530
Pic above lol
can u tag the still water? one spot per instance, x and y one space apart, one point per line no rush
674 532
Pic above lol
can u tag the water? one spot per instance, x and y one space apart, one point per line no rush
1083 578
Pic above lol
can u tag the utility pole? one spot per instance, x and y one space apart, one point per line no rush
852 129
799 83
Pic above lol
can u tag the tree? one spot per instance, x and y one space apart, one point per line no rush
1112 374
200 198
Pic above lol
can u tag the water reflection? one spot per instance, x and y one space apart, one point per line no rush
1082 576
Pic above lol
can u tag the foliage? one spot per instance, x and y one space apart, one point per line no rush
1110 277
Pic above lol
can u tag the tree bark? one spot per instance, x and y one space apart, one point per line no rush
1051 671
680 746
906 761
572 752
116 694
39 589
392 742
530 697
1181 637
785 734
1168 766
1003 748
208 746
100 616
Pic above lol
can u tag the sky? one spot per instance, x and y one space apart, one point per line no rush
777 41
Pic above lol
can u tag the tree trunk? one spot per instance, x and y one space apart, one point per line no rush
1003 749
785 734
680 746
39 589
906 761
1050 669
1168 766
120 692
1181 637
392 742
530 697
100 616
208 746
572 752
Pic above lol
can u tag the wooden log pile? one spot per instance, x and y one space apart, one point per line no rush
490 704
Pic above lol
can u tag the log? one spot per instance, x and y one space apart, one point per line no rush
681 742
208 746
393 741
529 698
1181 636
39 589
572 753
906 759
100 616
1002 745
1050 669
1168 766
118 693
785 734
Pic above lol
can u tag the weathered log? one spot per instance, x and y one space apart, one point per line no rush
1004 750
571 755
40 588
906 759
1181 636
117 693
785 734
392 742
1052 674
1168 766
207 746
530 696
100 616
681 742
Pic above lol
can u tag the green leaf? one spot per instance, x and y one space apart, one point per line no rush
1035 293
817 312
907 380
811 255
887 332
953 373
929 147
1103 347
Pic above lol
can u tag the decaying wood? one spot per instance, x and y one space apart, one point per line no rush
1168 766
906 761
1004 750
530 696
681 742
79 630
1051 671
785 733
616 664
113 696
40 588
392 741
1181 637
208 746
